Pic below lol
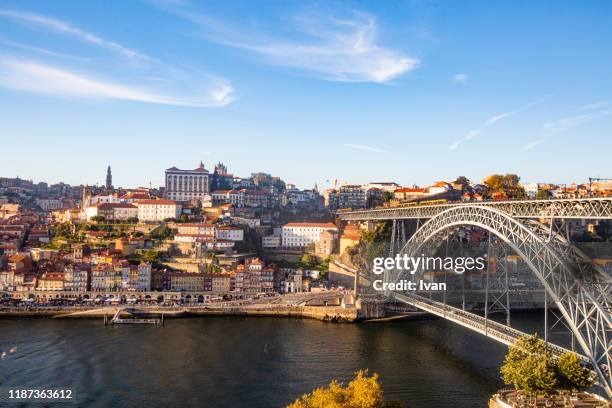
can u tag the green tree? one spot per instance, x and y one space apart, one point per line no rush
98 218
604 229
572 375
464 181
386 196
64 230
364 391
543 194
183 218
529 366
308 260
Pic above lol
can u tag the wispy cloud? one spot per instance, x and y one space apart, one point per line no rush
594 106
532 144
570 122
38 78
493 120
52 24
34 68
461 78
367 148
336 49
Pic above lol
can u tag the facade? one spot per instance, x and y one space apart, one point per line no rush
112 211
186 185
235 197
157 210
76 278
196 229
189 282
51 281
302 234
409 193
255 277
326 244
230 233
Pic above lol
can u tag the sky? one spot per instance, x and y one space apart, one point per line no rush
354 91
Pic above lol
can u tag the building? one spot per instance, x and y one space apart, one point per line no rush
186 185
188 282
230 233
326 244
51 281
235 197
255 277
112 211
105 278
157 210
49 204
302 234
109 179
271 241
197 229
76 278
409 193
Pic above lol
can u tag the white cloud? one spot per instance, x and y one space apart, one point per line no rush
38 78
367 148
532 144
461 77
335 49
495 119
66 28
593 106
570 122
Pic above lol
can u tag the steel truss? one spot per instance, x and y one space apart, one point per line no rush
579 208
580 292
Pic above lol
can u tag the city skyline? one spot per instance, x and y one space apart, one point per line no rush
466 89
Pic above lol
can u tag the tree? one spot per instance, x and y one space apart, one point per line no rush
308 260
529 366
463 181
543 194
364 391
183 218
604 229
132 220
386 196
507 185
64 230
572 375
98 218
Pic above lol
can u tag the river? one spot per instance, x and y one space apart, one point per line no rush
245 362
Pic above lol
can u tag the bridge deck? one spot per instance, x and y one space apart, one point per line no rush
580 208
486 327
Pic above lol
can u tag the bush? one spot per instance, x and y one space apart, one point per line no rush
363 391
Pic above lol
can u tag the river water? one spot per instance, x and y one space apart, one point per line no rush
244 362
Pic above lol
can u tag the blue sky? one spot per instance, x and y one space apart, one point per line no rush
406 91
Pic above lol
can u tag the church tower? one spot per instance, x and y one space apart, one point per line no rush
109 179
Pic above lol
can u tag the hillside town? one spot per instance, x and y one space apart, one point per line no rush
209 235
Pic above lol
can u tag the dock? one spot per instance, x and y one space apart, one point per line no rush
118 320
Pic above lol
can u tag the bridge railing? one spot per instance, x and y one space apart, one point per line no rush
490 328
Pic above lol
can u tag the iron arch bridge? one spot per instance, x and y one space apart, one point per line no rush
580 291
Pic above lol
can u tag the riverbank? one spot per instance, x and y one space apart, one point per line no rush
324 313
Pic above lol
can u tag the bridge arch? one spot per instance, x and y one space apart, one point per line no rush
581 306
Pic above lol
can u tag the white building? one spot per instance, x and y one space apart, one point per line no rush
230 233
235 197
301 234
185 185
271 241
157 210
49 204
